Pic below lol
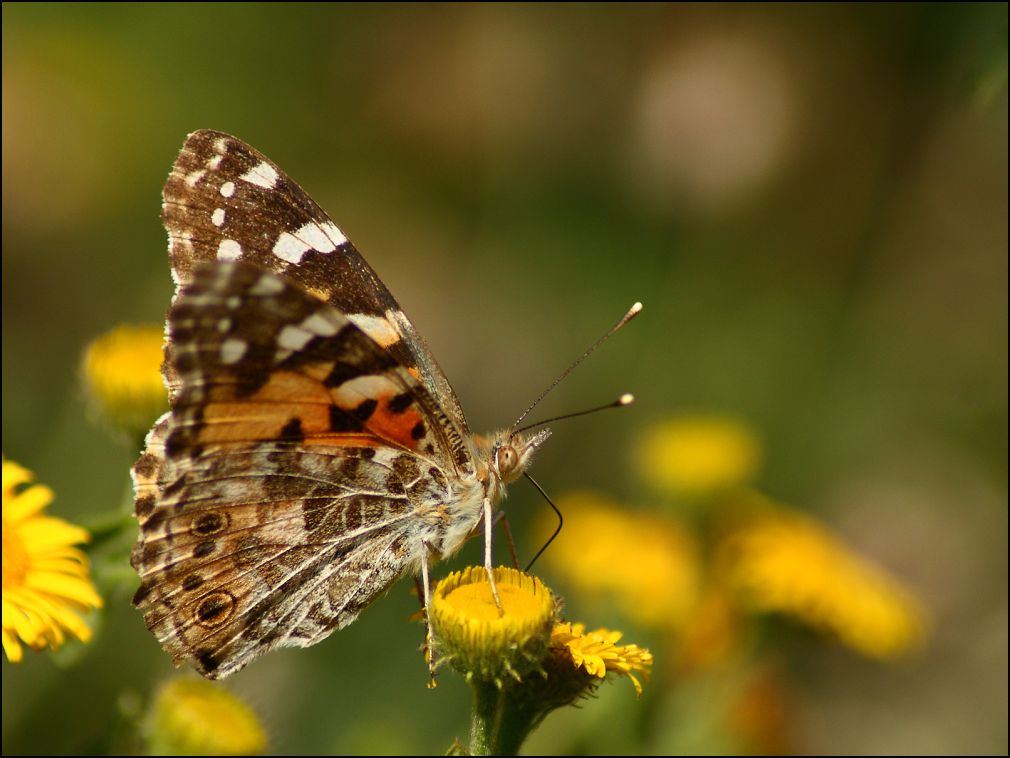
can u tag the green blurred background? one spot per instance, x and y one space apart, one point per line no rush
811 201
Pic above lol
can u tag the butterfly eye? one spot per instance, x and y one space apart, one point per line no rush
507 460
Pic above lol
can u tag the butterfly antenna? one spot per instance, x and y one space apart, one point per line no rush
632 312
561 521
626 399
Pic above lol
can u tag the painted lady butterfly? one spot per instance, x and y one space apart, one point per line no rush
314 452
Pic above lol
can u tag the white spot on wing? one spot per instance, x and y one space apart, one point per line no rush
233 302
399 321
194 177
353 391
378 328
228 189
267 285
232 350
289 248
217 217
336 236
214 162
293 337
263 175
224 325
317 323
221 144
325 238
229 250
398 318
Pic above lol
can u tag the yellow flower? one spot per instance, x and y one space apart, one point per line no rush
122 372
520 663
648 563
780 561
195 717
480 641
597 653
698 455
45 578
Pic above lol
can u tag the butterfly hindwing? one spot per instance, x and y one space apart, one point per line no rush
225 201
270 546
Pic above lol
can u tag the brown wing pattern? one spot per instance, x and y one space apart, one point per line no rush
282 492
226 201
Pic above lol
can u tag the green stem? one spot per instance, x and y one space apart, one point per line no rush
500 722
484 726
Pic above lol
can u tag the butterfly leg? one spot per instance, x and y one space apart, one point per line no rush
488 526
429 649
501 517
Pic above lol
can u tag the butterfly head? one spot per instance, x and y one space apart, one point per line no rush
512 452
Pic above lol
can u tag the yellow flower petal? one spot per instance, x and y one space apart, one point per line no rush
194 717
43 534
698 455
71 588
12 649
29 502
12 476
122 373
45 578
779 561
597 653
648 563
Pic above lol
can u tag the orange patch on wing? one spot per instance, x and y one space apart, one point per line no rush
343 439
304 386
249 421
395 427
265 414
294 396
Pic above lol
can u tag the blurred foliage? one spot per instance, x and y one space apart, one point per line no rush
811 201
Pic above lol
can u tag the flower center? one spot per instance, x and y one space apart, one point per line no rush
15 557
476 602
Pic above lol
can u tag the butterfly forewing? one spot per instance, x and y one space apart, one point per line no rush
226 201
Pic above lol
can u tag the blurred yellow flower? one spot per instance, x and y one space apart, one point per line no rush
648 563
45 578
780 561
698 455
481 641
597 652
122 373
195 717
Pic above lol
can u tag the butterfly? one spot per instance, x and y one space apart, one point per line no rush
314 452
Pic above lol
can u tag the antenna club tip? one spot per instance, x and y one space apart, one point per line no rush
635 309
626 399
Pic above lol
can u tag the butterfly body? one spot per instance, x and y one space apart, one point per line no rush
314 452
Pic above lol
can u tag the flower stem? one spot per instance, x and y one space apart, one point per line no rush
486 704
500 723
